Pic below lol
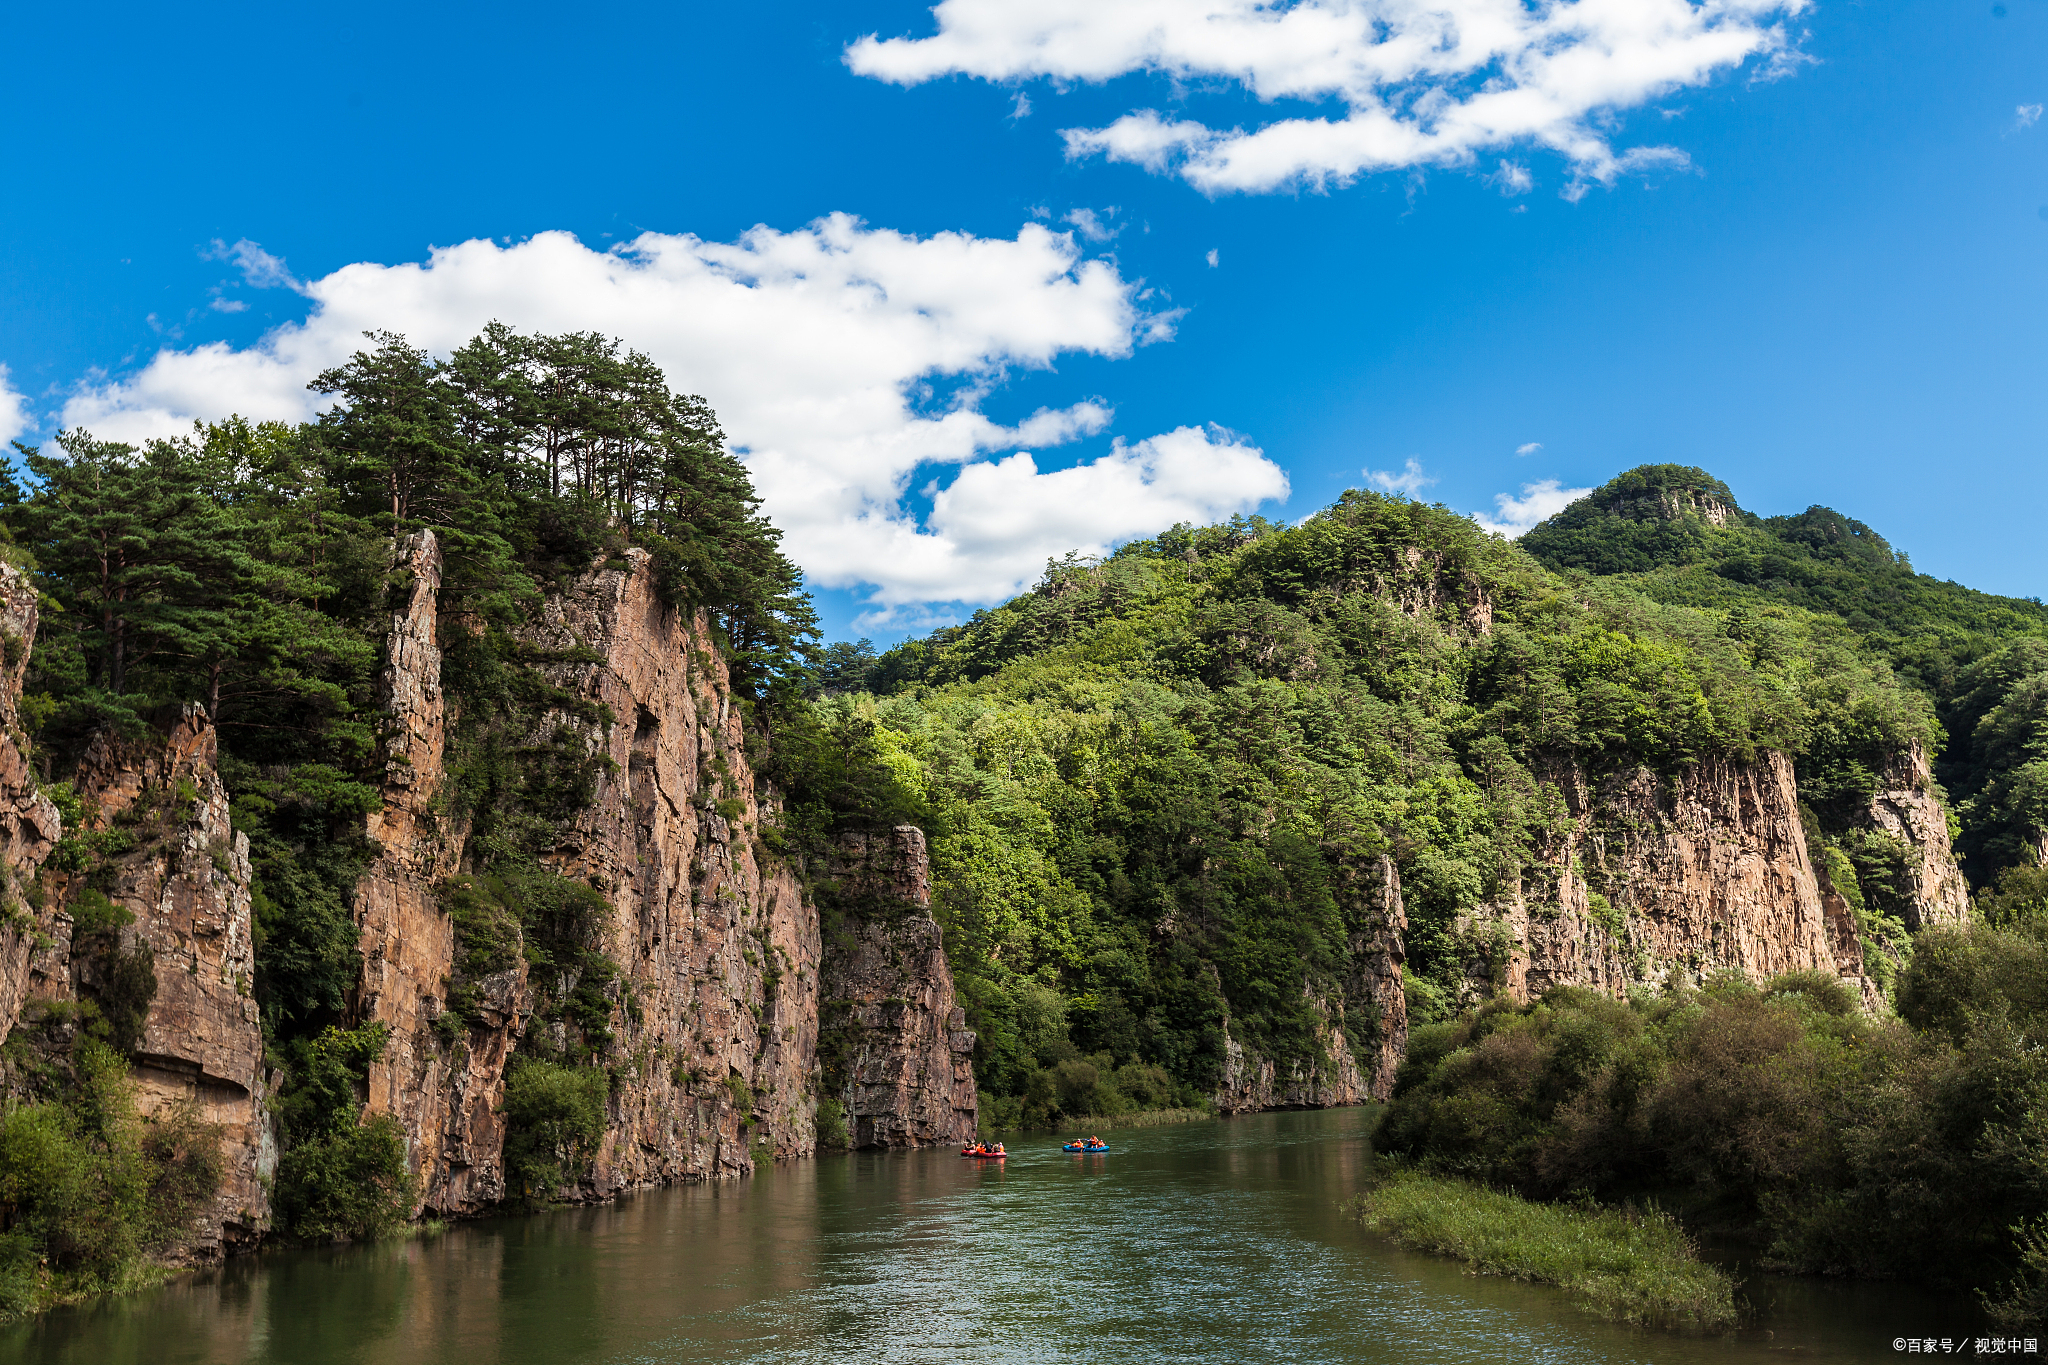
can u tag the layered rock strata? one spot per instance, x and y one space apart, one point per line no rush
1907 810
897 1052
1653 879
29 824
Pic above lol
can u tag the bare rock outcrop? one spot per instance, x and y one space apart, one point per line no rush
714 1017
716 939
186 882
1907 810
895 1047
1650 878
445 1097
29 823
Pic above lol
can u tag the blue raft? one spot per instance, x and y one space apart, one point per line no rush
1083 1147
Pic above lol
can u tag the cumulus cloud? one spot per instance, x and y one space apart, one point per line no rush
1422 82
2026 116
1539 502
14 415
1214 258
840 359
1528 447
1410 481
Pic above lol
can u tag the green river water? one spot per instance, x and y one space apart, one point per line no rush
1220 1241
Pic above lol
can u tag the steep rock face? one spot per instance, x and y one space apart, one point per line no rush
1655 879
896 1049
1906 809
717 942
714 1015
1363 1027
446 1097
186 882
29 824
1672 504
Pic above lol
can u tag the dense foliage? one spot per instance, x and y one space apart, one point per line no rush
250 568
1160 786
1981 659
1839 1142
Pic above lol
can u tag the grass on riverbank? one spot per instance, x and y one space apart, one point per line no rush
1626 1264
1143 1118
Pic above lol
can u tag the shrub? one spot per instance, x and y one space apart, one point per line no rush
347 1185
554 1119
88 1189
831 1126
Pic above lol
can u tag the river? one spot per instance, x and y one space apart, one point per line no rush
1219 1241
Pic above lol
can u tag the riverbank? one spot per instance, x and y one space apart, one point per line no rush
1144 1118
1628 1265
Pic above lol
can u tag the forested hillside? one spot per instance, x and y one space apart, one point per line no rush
1676 534
1159 784
1211 821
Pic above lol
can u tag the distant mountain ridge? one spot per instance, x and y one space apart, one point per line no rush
1676 533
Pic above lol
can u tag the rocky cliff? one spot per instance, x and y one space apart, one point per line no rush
711 1046
1906 809
187 885
29 824
1652 879
145 912
896 1050
715 1010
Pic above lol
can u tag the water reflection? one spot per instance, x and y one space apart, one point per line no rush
1210 1242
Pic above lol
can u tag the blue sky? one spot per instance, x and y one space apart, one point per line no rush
1830 289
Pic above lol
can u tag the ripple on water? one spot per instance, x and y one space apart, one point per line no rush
1205 1243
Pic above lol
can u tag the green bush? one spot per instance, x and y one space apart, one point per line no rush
1782 1112
831 1127
88 1190
554 1120
346 1185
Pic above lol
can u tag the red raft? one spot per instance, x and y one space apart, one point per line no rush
984 1151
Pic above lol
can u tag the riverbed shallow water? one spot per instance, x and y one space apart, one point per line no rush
1219 1241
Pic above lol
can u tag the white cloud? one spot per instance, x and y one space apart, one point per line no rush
260 269
996 515
2026 116
1423 82
1021 107
1539 502
1214 258
1096 227
224 305
1528 447
1513 178
1410 481
14 415
820 350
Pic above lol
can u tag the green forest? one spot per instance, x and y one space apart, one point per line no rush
248 568
1158 790
1155 783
